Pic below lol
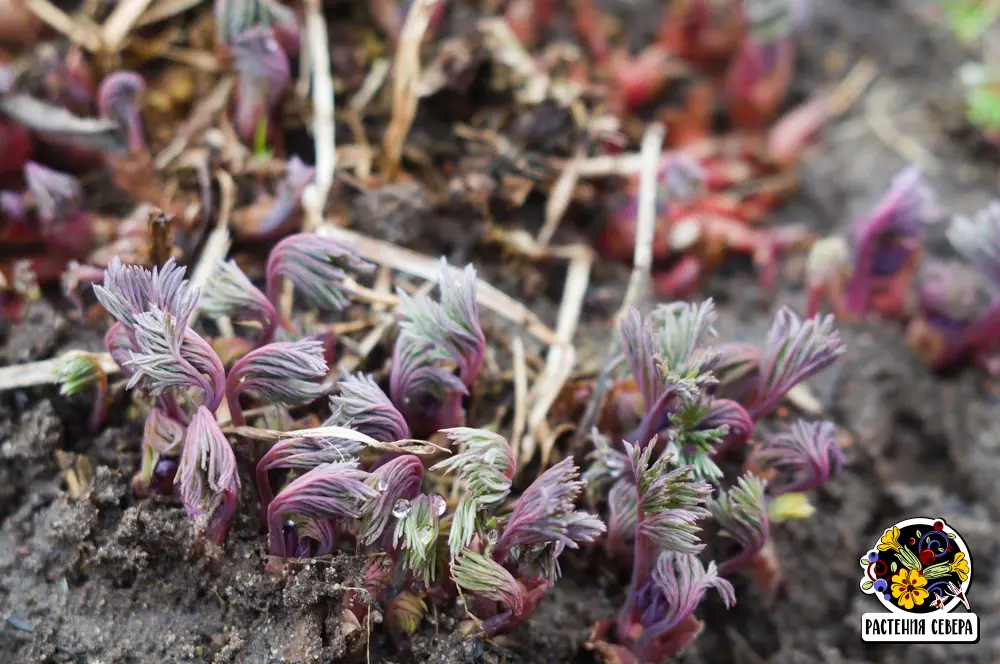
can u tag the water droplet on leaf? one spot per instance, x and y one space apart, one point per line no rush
439 503
402 508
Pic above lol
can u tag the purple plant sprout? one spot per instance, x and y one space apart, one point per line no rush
795 351
802 458
730 414
508 574
363 406
951 296
486 464
119 98
282 372
58 201
234 17
171 358
438 343
317 266
263 74
886 245
162 445
398 482
416 534
669 503
233 294
479 574
299 455
151 339
677 585
207 477
327 492
977 240
667 359
742 516
429 395
545 521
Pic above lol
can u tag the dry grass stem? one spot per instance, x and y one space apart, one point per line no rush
164 10
652 145
533 85
77 31
561 357
407 446
217 245
120 23
425 267
324 130
560 197
520 397
46 372
377 75
405 83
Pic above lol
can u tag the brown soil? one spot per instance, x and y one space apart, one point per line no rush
106 579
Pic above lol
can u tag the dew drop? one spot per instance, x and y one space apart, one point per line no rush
493 537
402 508
439 503
382 484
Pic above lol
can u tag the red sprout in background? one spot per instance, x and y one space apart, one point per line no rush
263 74
120 98
234 17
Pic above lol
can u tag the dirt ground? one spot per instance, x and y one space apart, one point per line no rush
103 579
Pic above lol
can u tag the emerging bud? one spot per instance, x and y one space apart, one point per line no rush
406 611
363 406
284 373
397 481
450 330
475 573
671 498
301 455
78 372
234 17
263 75
795 350
887 242
170 357
827 268
486 465
679 583
546 516
119 99
416 534
317 266
57 196
333 490
742 516
233 294
207 477
804 457
162 444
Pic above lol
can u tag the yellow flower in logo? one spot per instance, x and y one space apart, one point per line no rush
908 588
890 540
960 566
